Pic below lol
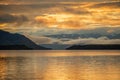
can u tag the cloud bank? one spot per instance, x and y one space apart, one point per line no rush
79 41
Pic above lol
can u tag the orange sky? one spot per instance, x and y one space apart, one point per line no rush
66 15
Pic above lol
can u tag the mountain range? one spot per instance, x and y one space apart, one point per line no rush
15 41
111 33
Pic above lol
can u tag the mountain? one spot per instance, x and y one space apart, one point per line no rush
95 47
111 33
16 41
14 47
87 35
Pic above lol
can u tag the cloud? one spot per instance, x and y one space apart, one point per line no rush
96 18
78 10
46 20
9 18
39 1
61 15
43 8
48 40
100 40
71 24
62 21
107 4
81 16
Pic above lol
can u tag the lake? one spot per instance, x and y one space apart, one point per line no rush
60 65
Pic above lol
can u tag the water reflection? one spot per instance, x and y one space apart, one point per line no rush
60 68
3 69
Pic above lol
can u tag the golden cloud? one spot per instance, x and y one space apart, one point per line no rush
85 16
80 15
58 20
45 20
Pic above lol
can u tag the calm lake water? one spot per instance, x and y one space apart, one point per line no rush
60 65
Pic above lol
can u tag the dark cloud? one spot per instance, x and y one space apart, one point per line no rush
77 11
45 7
2 0
39 1
108 4
9 18
28 8
20 8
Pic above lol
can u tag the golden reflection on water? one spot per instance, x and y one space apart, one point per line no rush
54 53
104 67
81 71
2 69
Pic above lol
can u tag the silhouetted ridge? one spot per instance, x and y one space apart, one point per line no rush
95 47
14 47
15 41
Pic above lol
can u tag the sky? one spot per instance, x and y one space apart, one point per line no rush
43 20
